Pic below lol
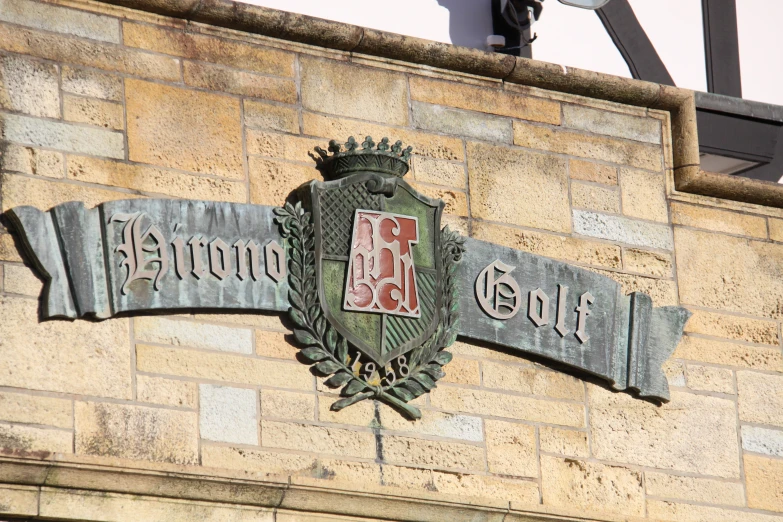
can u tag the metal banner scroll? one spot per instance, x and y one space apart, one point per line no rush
155 254
570 315
375 289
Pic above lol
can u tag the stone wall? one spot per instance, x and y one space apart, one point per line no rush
99 103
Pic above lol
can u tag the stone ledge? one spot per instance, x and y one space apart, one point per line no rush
109 475
735 188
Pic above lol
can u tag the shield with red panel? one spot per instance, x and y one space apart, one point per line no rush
378 262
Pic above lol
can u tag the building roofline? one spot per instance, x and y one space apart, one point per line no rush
739 106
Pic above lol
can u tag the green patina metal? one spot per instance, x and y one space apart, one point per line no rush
369 355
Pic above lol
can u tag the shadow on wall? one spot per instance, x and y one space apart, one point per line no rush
470 21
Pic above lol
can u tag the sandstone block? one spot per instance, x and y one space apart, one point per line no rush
731 277
349 472
228 414
45 194
32 161
775 229
36 409
356 92
760 398
168 392
692 433
570 443
595 172
272 181
674 372
463 371
623 230
455 223
29 86
91 83
8 249
729 354
654 264
184 129
136 432
643 195
764 483
595 197
432 453
461 427
78 357
694 489
466 349
29 441
270 116
762 440
708 378
497 170
62 136
318 439
100 113
613 124
532 381
424 144
74 504
662 291
402 477
60 20
484 486
568 249
511 448
281 404
256 460
679 512
21 280
243 83
631 153
205 48
719 220
509 406
361 414
188 333
282 146
223 367
19 500
480 99
89 54
438 172
152 180
275 344
591 486
733 327
462 123
456 201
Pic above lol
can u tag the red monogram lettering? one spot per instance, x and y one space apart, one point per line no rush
381 276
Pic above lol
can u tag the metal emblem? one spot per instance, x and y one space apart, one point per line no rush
370 290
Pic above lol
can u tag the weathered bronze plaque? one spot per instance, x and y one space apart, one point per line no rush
376 289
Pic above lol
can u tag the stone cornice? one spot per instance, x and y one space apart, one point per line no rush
150 480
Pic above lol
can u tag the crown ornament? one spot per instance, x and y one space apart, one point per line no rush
390 160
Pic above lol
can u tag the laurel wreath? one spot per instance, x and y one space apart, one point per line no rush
324 347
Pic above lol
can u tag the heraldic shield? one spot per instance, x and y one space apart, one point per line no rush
370 276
